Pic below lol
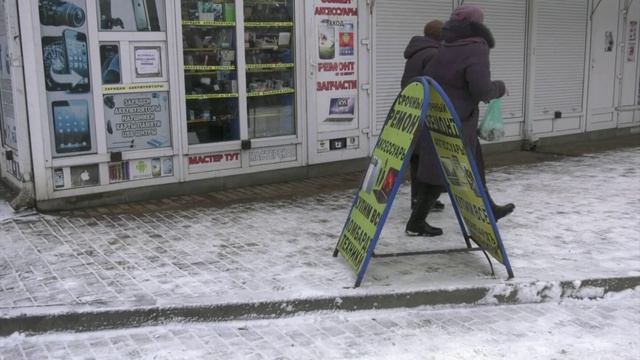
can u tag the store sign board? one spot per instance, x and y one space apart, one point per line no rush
273 155
66 58
337 69
383 178
215 161
423 100
137 121
463 180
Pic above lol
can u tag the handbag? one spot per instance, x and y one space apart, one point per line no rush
492 125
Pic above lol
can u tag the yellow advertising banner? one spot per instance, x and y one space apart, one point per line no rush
383 178
457 169
421 102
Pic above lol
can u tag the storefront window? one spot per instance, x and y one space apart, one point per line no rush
270 69
210 68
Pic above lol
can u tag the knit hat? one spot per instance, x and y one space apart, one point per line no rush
433 29
468 13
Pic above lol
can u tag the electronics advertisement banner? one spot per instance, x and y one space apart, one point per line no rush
383 178
137 121
7 117
132 15
66 58
337 70
464 183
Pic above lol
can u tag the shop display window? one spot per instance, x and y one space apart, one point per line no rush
270 68
131 15
210 70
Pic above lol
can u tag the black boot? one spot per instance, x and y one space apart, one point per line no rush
500 211
417 226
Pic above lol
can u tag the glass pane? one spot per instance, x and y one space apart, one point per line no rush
210 68
127 15
269 52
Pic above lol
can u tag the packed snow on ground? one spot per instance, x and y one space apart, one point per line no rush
607 328
575 219
6 212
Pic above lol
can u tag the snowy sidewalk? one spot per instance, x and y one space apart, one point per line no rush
574 329
575 219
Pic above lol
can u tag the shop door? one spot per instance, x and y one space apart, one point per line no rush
605 49
337 80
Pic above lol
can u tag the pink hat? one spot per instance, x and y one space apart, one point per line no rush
467 13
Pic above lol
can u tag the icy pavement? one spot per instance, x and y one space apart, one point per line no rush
604 329
577 218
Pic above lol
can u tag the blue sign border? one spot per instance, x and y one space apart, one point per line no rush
476 176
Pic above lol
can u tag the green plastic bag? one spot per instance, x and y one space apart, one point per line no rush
492 126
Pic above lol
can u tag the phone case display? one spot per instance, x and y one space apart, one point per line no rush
211 80
269 54
132 15
140 169
66 57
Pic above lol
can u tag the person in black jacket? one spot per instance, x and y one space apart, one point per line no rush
419 52
462 68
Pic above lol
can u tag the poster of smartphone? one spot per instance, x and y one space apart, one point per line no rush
75 44
110 63
71 126
132 15
66 62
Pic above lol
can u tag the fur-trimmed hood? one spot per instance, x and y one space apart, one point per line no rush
453 31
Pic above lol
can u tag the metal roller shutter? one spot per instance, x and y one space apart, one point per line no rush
559 65
395 22
507 20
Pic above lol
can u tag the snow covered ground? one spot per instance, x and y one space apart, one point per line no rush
604 329
577 218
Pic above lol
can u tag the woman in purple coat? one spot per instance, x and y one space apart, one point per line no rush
462 68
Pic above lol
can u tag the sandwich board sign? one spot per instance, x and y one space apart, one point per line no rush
421 102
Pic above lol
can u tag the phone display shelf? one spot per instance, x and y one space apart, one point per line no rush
211 96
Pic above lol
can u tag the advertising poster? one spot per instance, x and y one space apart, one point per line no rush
632 40
82 176
131 15
383 177
337 71
7 117
137 121
63 28
463 181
